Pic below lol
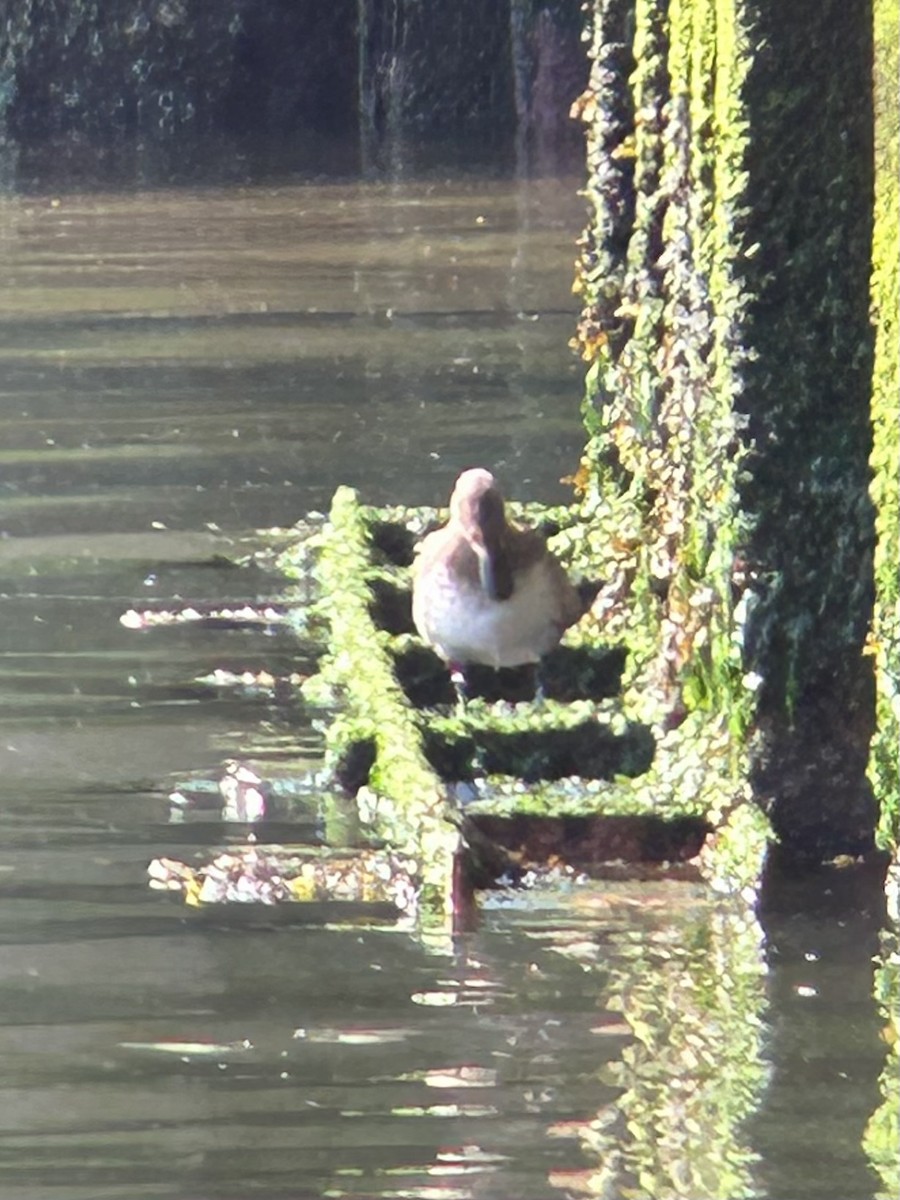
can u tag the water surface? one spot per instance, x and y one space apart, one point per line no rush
177 371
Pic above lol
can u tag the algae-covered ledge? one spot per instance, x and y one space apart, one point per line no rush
450 790
372 733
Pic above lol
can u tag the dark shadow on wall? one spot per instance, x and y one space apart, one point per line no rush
162 91
809 230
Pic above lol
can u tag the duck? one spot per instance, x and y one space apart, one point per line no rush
488 591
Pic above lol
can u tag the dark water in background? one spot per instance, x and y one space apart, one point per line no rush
178 369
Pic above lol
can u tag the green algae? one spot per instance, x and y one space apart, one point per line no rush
580 798
725 332
410 766
807 400
358 673
724 617
884 762
665 448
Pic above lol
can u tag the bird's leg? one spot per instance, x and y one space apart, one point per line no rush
458 679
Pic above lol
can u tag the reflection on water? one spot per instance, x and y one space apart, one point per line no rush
176 369
228 356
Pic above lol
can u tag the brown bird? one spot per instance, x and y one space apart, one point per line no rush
486 591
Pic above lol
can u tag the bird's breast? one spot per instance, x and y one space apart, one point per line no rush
464 624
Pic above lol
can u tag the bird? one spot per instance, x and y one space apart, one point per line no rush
486 591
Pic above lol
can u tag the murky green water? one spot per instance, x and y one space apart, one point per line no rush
176 370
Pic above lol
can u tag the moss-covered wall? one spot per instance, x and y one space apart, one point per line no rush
807 397
725 274
885 757
661 331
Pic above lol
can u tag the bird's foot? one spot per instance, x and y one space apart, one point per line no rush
458 679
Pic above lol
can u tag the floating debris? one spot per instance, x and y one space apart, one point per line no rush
243 793
150 618
356 1035
190 1049
272 875
251 682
